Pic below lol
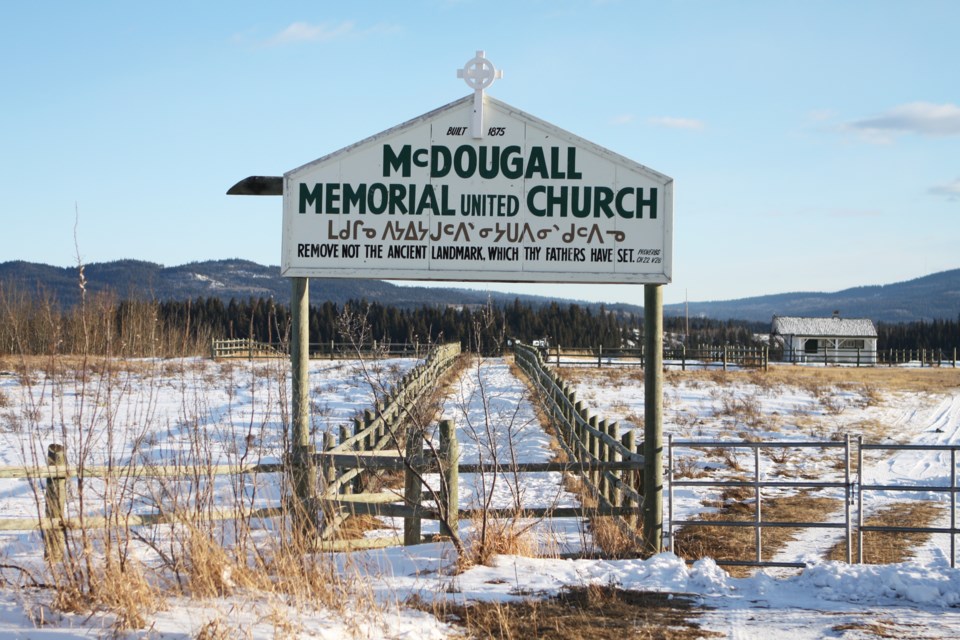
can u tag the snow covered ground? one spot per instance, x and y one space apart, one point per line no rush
155 410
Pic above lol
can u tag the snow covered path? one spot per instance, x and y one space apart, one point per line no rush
496 422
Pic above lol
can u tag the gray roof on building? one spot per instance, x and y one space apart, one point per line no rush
824 327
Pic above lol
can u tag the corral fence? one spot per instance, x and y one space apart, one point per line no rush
750 357
935 357
374 432
679 357
924 357
854 486
252 349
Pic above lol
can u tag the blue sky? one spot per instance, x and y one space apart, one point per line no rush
814 145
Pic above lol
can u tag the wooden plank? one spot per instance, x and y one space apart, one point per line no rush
258 186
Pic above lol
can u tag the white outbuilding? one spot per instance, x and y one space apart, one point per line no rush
832 340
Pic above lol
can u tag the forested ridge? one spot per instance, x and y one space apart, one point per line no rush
104 324
559 324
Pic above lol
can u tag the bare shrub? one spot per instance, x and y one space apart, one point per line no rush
687 467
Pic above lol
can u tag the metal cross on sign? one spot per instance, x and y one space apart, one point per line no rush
479 73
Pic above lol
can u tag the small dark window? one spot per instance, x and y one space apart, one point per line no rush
811 346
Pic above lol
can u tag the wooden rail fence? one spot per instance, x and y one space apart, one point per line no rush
609 465
253 349
371 435
682 357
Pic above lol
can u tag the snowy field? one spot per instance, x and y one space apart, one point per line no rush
198 411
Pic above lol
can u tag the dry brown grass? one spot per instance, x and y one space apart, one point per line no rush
880 547
868 379
882 628
581 613
738 543
559 454
120 589
491 537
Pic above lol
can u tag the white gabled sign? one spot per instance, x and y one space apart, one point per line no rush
526 202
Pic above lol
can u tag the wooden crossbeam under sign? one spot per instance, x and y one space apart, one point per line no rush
258 186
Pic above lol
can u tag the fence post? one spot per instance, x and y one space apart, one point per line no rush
670 475
603 455
953 508
653 419
578 431
613 455
360 446
848 490
344 436
411 488
593 447
329 469
600 356
683 357
628 477
724 357
860 499
302 451
55 497
759 498
449 489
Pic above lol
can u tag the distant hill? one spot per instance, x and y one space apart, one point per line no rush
926 298
936 296
240 279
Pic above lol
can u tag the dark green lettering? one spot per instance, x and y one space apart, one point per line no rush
531 206
397 193
355 197
395 161
572 172
310 196
332 202
471 161
536 164
621 210
511 166
489 172
578 210
602 202
555 172
439 169
650 202
377 198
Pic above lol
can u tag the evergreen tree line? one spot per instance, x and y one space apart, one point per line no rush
105 325
475 327
933 334
568 325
